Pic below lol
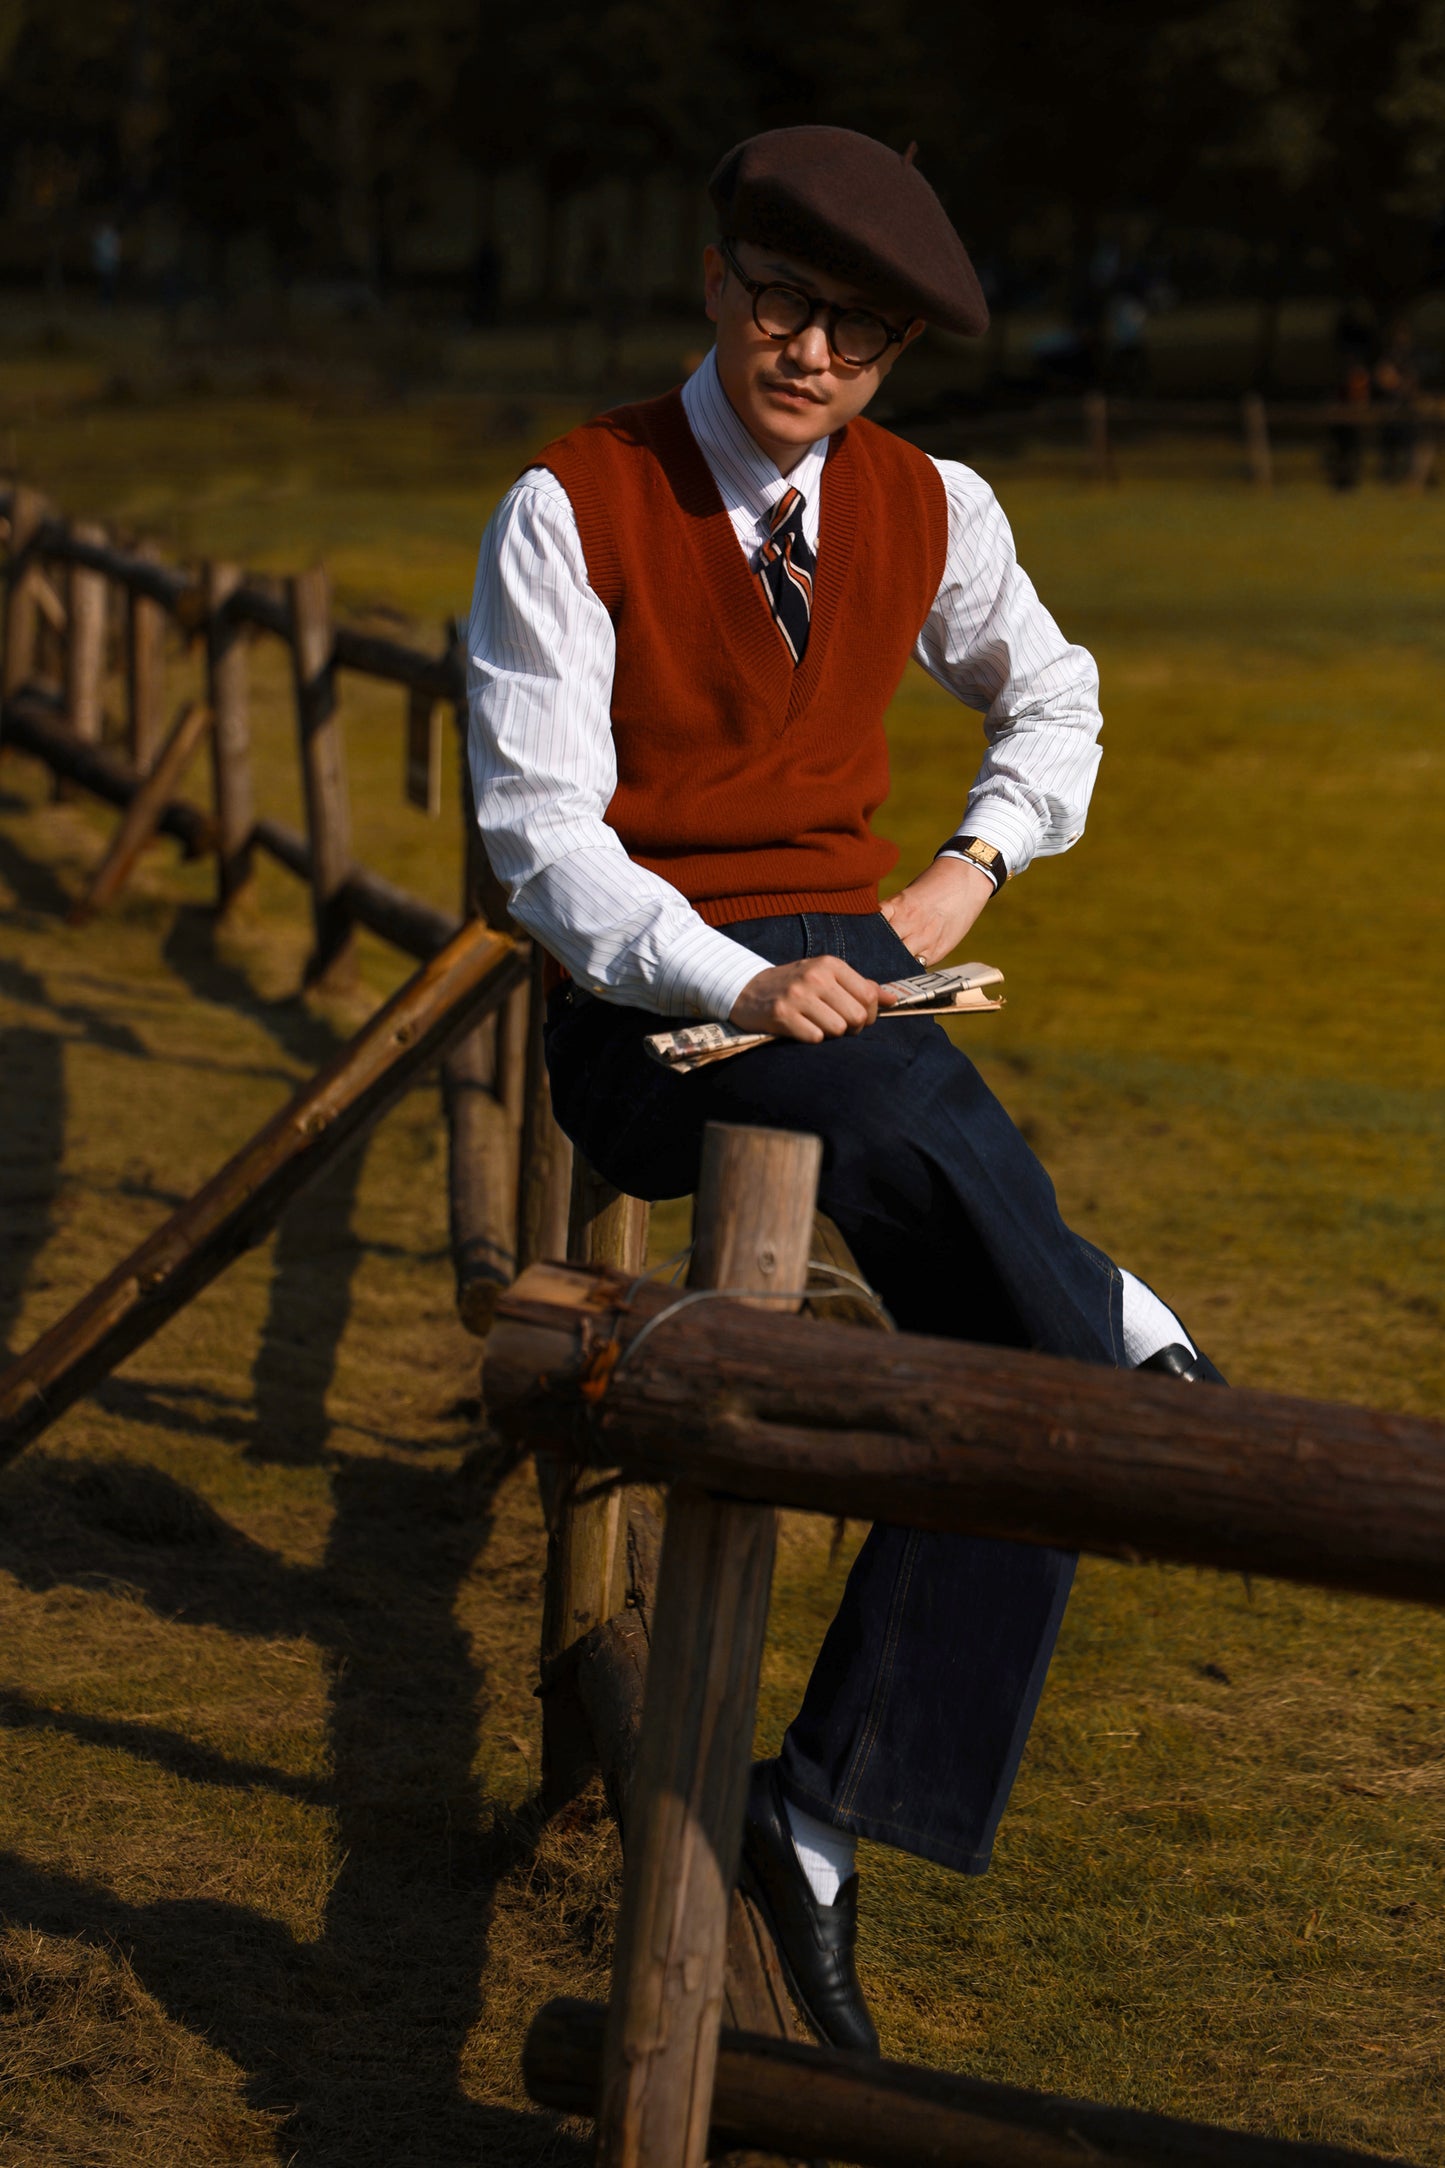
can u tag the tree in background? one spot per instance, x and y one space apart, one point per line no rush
234 152
1322 128
1306 141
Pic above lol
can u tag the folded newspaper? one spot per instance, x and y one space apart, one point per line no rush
954 992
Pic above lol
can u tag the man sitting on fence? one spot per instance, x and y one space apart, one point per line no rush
690 617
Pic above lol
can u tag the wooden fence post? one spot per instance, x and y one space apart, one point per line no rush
1096 435
1255 417
146 670
544 1184
323 770
27 512
586 1539
229 692
422 771
481 1178
486 898
755 1223
85 656
482 1089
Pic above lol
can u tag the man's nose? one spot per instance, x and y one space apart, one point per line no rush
808 348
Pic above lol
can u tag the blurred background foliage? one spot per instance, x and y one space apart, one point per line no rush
535 160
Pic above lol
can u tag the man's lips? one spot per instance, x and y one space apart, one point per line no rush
793 393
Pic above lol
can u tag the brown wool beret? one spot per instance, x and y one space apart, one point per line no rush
853 208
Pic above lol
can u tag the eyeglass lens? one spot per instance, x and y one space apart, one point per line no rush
855 335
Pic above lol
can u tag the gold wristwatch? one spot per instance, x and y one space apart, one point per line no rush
975 852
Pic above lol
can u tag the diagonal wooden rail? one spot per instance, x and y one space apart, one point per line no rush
949 1435
143 815
471 976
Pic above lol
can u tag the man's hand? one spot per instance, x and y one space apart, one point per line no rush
819 998
932 914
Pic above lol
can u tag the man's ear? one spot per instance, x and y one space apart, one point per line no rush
714 278
915 331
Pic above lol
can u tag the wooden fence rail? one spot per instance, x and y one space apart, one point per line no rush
742 1409
807 2101
952 1435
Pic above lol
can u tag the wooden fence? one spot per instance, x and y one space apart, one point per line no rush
67 589
740 1407
652 1633
474 1005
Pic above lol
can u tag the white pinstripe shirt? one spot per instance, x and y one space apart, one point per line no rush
541 656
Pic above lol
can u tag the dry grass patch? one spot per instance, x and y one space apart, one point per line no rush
92 2069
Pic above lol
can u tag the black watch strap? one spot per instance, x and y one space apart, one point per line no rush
986 856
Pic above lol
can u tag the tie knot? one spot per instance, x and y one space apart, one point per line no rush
789 505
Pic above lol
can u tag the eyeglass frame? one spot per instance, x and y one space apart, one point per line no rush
832 311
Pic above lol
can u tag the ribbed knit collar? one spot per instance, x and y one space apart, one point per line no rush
748 482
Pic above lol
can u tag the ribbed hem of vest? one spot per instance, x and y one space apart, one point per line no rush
731 910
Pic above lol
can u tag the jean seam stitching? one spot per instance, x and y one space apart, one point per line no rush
874 1719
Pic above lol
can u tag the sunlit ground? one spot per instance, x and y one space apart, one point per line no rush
273 1887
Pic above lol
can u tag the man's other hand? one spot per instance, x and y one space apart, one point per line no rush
820 997
932 914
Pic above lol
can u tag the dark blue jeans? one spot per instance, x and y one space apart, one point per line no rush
915 1717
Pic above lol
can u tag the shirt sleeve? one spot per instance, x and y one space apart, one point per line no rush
540 660
990 641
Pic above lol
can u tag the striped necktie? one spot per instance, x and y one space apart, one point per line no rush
786 570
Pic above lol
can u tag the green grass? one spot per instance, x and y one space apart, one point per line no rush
273 1884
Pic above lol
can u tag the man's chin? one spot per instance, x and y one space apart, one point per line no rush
792 421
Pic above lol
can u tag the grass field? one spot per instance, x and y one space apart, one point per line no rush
273 1884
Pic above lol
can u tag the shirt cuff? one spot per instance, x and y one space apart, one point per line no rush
1006 827
705 973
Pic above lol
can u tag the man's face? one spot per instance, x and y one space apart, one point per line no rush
788 392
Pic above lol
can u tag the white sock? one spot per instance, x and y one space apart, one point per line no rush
1149 1324
825 1854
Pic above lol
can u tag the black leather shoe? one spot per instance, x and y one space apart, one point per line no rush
1177 1362
814 1941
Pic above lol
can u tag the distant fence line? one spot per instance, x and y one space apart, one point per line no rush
1096 420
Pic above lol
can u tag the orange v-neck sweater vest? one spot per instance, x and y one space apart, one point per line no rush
747 783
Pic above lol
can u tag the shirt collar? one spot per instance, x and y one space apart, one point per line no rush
748 481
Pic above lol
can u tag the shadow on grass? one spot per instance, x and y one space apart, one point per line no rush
190 950
354 2038
34 884
317 1253
32 1140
